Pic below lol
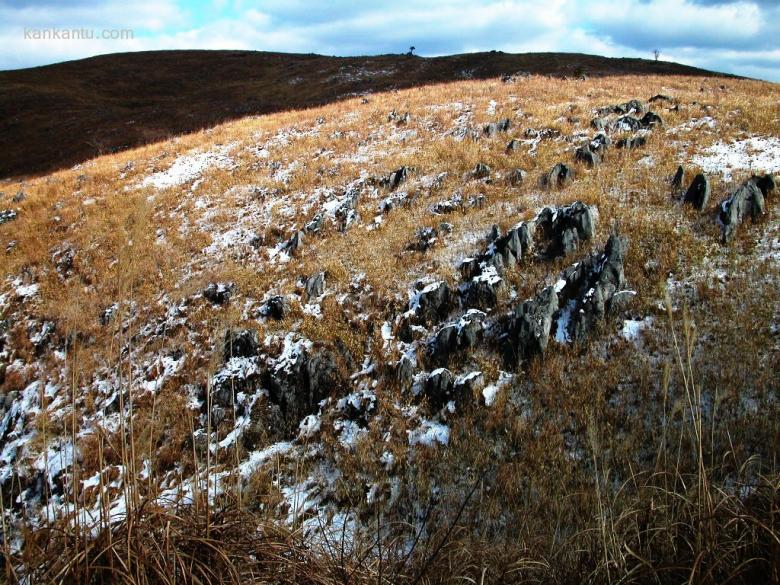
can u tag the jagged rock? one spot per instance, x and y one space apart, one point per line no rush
698 193
766 184
562 229
586 156
7 215
482 290
627 124
469 384
19 197
559 176
242 343
651 119
218 293
631 106
277 307
660 98
494 128
439 387
527 329
598 124
315 285
588 290
469 268
432 302
424 239
448 205
746 201
679 177
515 177
600 144
394 179
632 142
513 145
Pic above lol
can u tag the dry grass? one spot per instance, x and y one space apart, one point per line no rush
611 461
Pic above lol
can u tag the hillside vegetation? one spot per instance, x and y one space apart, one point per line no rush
483 331
59 115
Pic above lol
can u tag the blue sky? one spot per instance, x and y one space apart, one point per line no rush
726 35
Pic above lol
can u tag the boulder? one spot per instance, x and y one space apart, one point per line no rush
746 201
19 197
424 240
660 98
482 290
598 124
559 176
481 171
698 193
600 144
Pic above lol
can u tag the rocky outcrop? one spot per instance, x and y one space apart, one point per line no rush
586 156
314 286
395 179
460 335
7 215
241 343
747 201
515 177
495 128
277 307
526 332
559 231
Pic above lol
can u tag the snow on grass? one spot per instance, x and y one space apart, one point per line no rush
757 154
429 433
632 328
189 167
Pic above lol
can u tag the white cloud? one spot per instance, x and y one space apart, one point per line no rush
722 35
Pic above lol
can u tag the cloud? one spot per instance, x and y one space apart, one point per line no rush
733 36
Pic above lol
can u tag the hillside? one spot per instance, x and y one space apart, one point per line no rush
489 331
55 116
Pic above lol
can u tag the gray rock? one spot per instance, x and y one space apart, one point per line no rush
424 240
627 124
559 176
598 124
19 197
315 286
590 287
766 184
562 229
527 329
433 302
600 144
746 201
481 171
698 193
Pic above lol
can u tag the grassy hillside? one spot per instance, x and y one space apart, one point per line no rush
56 116
318 345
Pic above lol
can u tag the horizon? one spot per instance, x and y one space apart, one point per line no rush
701 35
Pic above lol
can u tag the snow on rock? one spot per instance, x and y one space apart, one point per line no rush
632 328
489 393
757 154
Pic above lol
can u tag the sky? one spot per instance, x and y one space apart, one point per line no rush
724 35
